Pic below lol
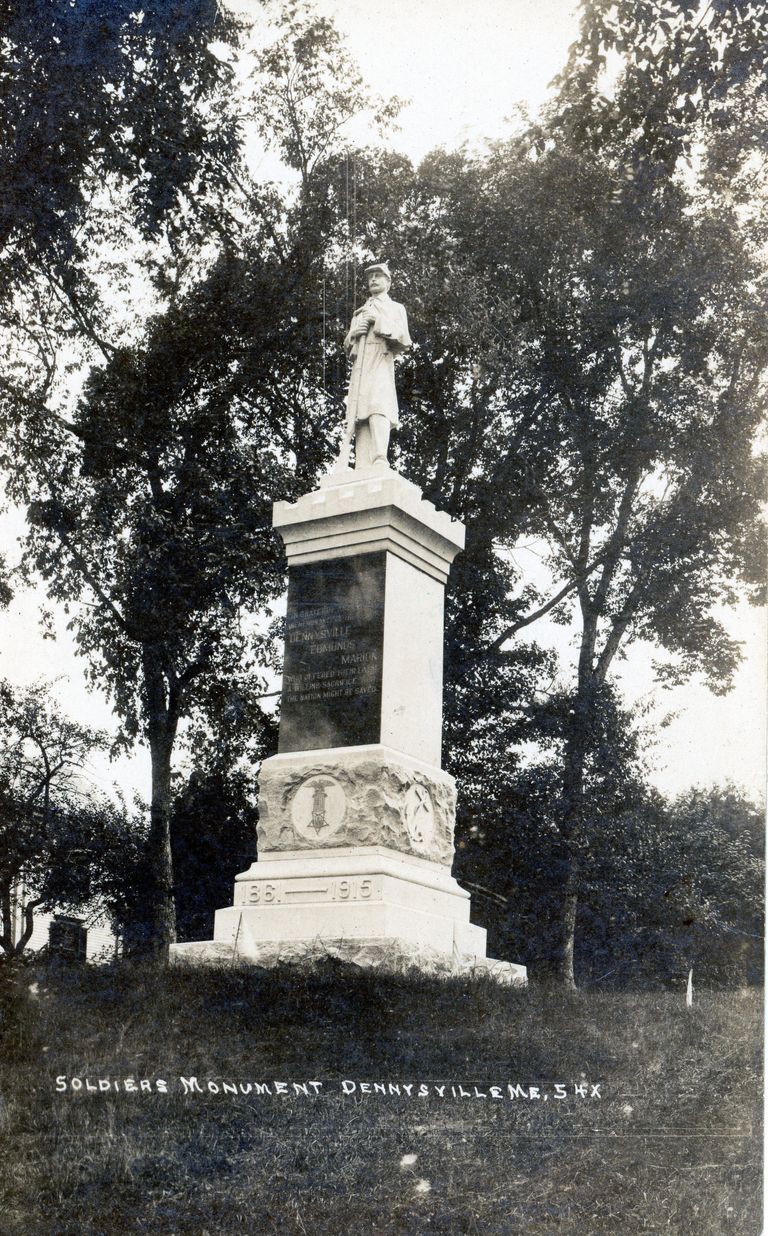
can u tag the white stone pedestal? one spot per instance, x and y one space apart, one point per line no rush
356 815
352 893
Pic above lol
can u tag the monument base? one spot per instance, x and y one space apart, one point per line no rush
388 956
369 906
375 797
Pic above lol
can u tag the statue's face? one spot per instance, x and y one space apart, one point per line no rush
378 283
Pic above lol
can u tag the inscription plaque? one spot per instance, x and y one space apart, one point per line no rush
334 634
300 892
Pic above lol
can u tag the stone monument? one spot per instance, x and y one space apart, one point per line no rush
356 816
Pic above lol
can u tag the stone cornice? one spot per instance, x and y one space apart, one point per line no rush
365 512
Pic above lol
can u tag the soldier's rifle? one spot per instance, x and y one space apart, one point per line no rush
353 396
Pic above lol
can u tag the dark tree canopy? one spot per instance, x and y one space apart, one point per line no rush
647 82
98 90
149 462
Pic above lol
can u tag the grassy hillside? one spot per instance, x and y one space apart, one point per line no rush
671 1145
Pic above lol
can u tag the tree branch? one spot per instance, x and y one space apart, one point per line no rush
617 540
108 350
619 626
511 630
96 588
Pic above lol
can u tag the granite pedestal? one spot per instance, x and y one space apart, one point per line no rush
356 816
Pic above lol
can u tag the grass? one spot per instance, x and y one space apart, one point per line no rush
671 1146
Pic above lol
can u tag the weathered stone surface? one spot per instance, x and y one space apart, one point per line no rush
378 511
353 798
390 956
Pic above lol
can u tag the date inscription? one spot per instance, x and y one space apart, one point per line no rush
286 892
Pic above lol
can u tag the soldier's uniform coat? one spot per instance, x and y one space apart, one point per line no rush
374 385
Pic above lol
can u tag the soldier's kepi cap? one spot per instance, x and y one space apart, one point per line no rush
382 266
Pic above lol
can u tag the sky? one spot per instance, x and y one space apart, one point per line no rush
464 68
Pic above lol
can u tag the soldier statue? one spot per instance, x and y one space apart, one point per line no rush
378 333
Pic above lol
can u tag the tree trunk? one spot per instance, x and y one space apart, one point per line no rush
163 909
155 930
6 920
554 967
571 829
28 915
560 971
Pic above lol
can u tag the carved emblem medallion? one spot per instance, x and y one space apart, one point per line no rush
419 815
318 808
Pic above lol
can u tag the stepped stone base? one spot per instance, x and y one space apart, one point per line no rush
367 905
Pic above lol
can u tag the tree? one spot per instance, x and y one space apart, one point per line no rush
666 886
213 837
309 90
115 125
649 82
509 847
95 92
152 497
650 338
60 842
214 813
611 370
676 885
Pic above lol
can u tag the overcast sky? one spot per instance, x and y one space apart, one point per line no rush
462 65
465 67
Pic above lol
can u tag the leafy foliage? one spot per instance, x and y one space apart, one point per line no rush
676 886
62 845
213 838
309 88
102 89
665 885
151 497
649 81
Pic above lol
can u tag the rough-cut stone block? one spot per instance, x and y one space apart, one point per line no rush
356 796
389 956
